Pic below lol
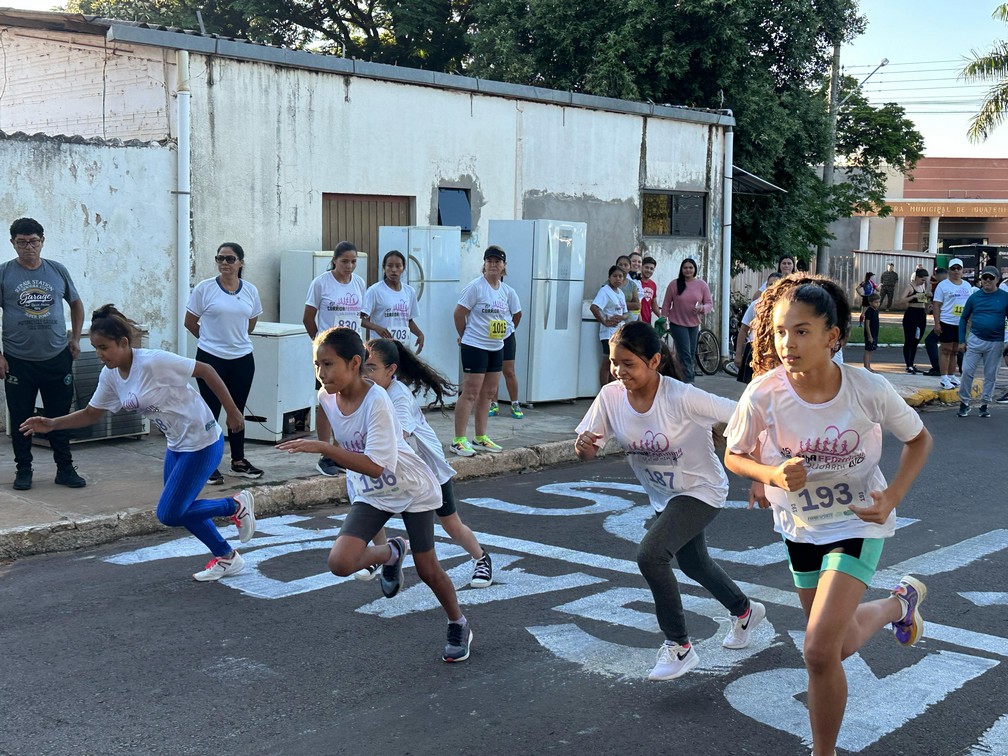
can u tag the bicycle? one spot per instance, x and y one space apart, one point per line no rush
708 351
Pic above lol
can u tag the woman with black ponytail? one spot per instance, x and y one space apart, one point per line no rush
665 427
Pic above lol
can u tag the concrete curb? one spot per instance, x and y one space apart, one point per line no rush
292 496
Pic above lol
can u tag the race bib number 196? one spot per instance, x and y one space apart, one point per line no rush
824 503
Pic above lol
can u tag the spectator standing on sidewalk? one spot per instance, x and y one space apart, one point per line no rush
37 354
871 330
915 302
335 300
984 313
932 342
949 300
221 313
649 289
687 300
889 281
1003 399
630 289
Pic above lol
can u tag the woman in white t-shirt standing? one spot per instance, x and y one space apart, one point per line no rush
390 305
384 477
156 384
221 313
610 310
808 431
334 300
665 427
480 317
510 351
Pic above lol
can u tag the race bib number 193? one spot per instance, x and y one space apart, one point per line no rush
824 503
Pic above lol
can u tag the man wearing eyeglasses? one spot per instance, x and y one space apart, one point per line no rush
37 355
985 312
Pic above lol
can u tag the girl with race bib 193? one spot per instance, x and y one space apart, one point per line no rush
396 369
808 432
665 427
156 384
384 477
390 305
334 300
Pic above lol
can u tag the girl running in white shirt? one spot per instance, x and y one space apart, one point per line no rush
390 305
334 300
396 369
384 477
665 426
810 432
156 384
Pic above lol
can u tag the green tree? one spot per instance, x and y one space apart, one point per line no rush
990 66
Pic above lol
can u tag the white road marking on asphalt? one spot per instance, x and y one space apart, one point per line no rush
986 598
769 697
945 559
993 740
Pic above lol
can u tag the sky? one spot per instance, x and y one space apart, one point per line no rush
926 43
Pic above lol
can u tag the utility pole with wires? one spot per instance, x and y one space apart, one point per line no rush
823 253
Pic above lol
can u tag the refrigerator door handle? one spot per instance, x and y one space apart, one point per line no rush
423 277
546 310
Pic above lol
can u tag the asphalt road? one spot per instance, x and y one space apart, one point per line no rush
117 650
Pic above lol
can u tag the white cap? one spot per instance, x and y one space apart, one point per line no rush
956 261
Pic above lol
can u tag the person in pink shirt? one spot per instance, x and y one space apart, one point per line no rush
687 300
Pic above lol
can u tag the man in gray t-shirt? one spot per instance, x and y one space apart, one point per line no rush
37 355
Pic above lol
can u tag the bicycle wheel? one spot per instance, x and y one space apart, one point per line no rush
708 353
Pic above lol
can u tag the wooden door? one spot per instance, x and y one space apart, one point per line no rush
356 218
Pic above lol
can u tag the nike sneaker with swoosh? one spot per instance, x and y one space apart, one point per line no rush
673 661
741 630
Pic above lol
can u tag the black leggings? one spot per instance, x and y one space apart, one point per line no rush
237 375
914 325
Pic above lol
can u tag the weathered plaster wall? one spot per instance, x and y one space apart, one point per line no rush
77 84
107 212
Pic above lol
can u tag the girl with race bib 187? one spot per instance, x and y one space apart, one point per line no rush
808 432
665 427
384 477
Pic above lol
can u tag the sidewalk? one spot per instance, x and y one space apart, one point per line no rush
124 475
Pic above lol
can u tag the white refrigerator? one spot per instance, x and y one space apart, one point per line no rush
545 267
283 393
433 259
298 268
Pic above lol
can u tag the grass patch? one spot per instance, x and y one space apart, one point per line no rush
888 334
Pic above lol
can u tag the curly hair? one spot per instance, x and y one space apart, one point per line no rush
824 295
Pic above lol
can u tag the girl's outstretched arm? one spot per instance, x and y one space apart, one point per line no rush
348 460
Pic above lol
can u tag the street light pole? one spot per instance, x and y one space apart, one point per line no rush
822 253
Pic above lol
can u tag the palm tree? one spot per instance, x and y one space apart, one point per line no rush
992 66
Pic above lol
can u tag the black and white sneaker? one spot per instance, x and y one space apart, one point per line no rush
1003 399
216 479
327 467
459 640
391 574
964 410
483 572
242 468
984 412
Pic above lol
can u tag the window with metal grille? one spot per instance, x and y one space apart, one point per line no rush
454 208
674 214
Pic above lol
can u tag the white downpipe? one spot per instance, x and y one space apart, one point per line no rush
726 224
183 200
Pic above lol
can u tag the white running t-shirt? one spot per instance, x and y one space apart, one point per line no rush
486 325
338 305
158 387
224 317
952 298
610 303
840 441
417 429
406 484
670 447
391 309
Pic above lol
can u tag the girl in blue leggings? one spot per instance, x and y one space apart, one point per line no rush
156 384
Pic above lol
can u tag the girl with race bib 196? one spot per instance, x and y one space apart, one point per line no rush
390 305
156 384
665 427
384 477
808 431
402 374
334 300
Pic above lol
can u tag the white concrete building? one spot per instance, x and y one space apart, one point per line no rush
291 150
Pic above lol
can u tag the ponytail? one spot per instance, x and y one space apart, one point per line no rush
411 371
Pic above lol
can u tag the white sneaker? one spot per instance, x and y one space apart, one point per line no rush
220 567
673 662
368 573
955 381
946 383
741 629
244 516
